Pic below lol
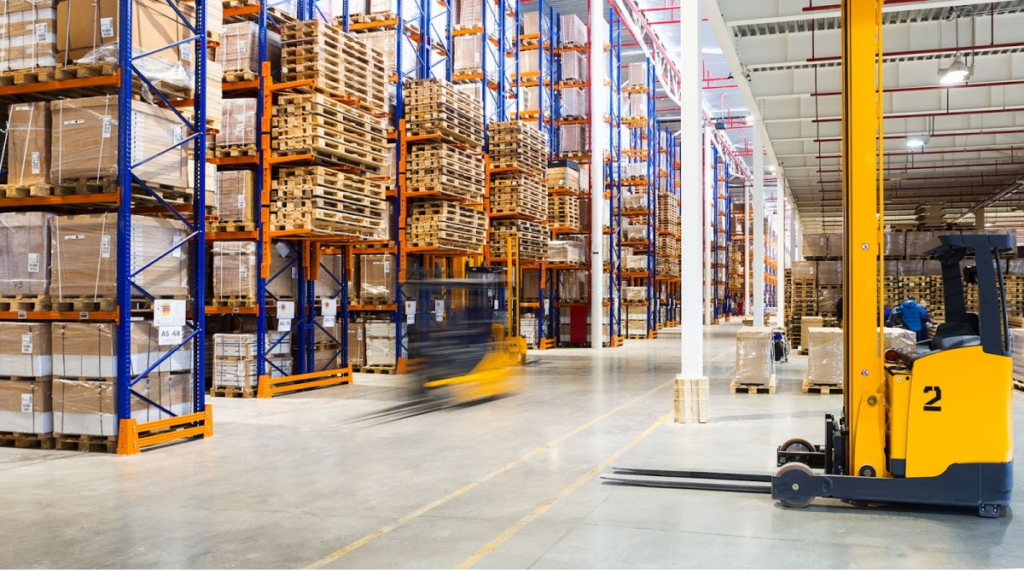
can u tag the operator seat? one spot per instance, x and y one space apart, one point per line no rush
957 334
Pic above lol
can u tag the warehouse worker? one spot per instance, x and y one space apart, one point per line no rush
915 318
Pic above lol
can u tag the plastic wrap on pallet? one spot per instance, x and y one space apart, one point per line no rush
563 174
379 6
357 344
380 343
916 242
89 350
1014 267
566 251
83 26
573 32
240 47
636 75
89 407
633 263
25 349
239 127
634 106
28 144
531 23
574 103
634 294
931 267
214 95
325 359
635 171
24 253
573 285
383 41
1017 350
355 8
242 346
328 281
470 13
234 270
84 252
911 267
635 232
235 195
825 355
574 66
28 38
26 406
529 62
901 340
166 75
755 361
468 57
892 268
895 244
828 299
84 145
284 272
377 279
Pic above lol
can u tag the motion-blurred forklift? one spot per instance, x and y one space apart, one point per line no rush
932 425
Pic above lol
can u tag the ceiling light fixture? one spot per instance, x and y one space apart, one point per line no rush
750 120
957 72
917 141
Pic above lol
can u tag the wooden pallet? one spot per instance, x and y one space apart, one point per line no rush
27 76
26 440
233 301
26 303
739 387
380 369
220 226
233 392
75 442
236 150
26 191
823 388
85 304
1018 384
238 75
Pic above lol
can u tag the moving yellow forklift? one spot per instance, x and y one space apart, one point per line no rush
932 425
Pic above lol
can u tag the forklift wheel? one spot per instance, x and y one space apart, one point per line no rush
806 497
797 444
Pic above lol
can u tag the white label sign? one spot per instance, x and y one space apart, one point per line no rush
33 263
329 321
26 344
106 27
282 249
410 312
26 403
169 313
284 325
439 310
170 336
329 307
105 246
36 167
286 310
106 126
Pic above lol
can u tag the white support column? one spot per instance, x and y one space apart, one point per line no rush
780 248
794 230
710 227
748 215
598 148
758 225
691 348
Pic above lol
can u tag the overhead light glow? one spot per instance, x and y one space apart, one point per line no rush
750 119
957 72
916 141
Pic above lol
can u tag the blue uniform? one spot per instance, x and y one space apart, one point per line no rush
914 318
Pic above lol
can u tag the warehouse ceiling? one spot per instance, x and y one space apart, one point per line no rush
972 132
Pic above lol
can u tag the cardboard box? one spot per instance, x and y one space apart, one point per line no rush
916 242
24 253
380 351
755 363
469 13
468 57
84 145
804 269
234 270
806 324
89 407
815 245
563 174
836 246
235 190
239 128
85 256
25 349
377 279
357 344
574 31
895 244
28 144
327 359
573 285
830 273
531 22
284 272
828 299
26 406
88 29
89 350
825 355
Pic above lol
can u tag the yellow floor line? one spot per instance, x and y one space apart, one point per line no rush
430 506
512 530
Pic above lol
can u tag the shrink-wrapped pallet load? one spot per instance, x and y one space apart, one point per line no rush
235 196
89 407
234 270
25 350
380 343
755 363
377 279
28 144
357 345
90 350
825 356
24 253
26 406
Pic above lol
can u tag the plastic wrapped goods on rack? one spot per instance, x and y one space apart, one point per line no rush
238 133
755 359
28 147
573 66
376 279
445 170
25 350
380 343
356 345
573 286
635 232
533 239
573 32
825 356
1017 350
214 96
239 54
234 272
634 263
234 206
436 108
564 212
468 58
384 41
84 155
574 142
574 103
567 252
529 62
634 200
235 360
342 65
634 294
636 321
634 106
88 407
446 225
636 75
25 258
89 350
326 201
635 171
27 31
85 251
284 273
531 25
469 14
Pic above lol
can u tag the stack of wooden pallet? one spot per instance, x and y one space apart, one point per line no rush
669 263
321 200
668 213
521 195
332 133
564 212
437 109
446 225
340 64
518 144
533 239
445 170
804 302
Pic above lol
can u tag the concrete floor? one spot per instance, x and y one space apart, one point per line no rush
510 483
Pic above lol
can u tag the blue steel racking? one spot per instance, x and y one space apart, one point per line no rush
721 244
133 436
613 177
